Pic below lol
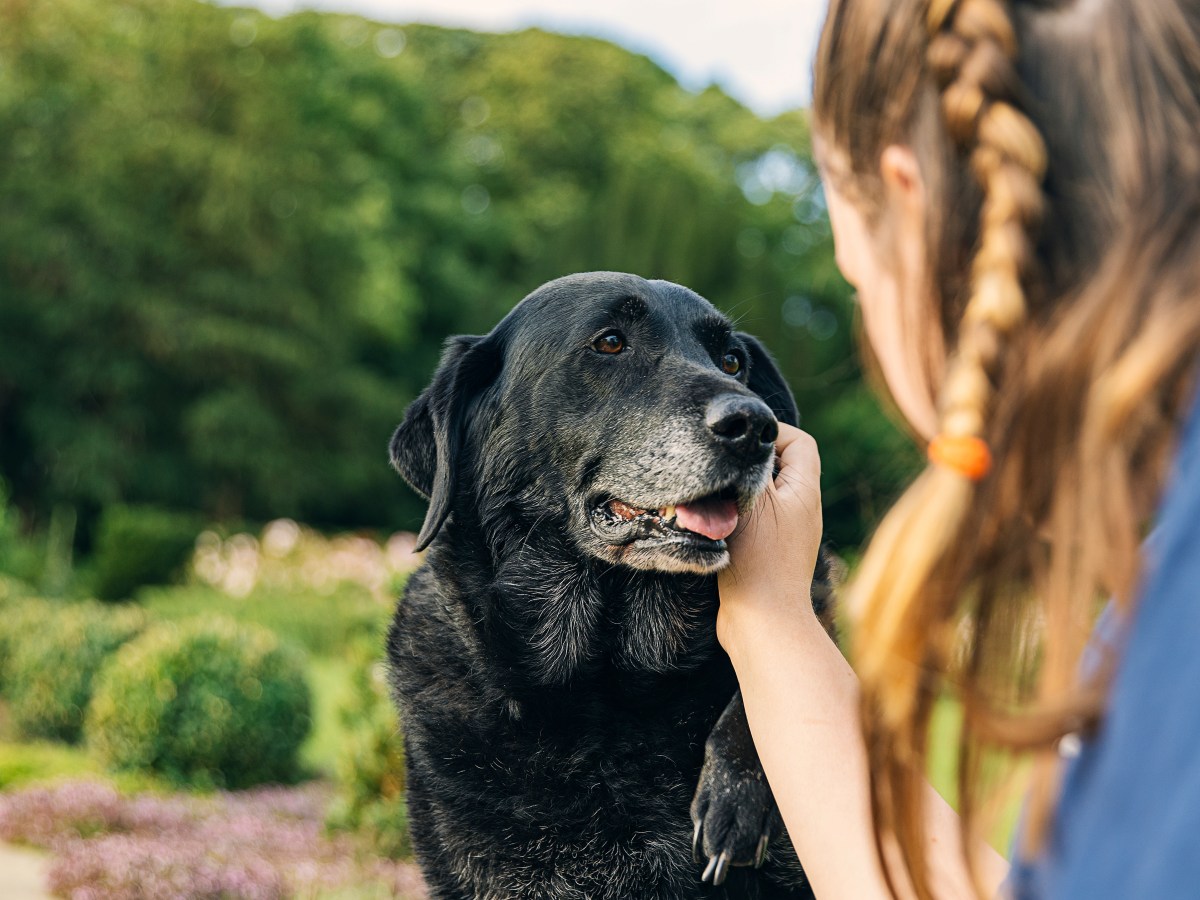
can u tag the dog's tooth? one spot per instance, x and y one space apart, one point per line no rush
668 512
624 510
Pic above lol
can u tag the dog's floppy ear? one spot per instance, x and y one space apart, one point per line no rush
426 445
767 381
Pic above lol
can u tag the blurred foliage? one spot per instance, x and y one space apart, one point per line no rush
57 655
20 617
20 560
39 762
138 546
13 589
323 623
289 558
233 245
332 627
330 678
209 703
370 766
21 764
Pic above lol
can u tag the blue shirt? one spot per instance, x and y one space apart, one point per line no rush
1128 821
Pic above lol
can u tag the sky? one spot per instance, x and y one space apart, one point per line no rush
760 51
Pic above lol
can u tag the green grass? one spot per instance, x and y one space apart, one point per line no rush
22 764
42 761
329 678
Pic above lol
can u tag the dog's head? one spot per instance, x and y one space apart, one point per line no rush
628 414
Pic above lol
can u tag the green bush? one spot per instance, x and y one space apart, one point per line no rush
205 703
56 653
20 616
140 545
370 769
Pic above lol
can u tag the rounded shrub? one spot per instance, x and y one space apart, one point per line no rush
55 657
140 545
205 702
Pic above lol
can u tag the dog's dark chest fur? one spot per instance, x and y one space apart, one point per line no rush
552 778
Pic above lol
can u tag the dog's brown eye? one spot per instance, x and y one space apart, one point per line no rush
610 342
731 364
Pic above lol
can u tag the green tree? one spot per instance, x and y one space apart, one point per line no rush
233 245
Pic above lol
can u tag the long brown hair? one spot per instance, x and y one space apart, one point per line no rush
1060 144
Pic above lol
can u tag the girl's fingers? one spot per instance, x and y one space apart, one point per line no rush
774 552
787 436
799 460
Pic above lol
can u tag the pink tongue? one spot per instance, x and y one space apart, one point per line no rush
715 519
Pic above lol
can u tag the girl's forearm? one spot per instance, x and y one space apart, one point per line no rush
802 704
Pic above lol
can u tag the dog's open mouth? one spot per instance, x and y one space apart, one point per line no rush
707 520
712 517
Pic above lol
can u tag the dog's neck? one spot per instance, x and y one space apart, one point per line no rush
558 619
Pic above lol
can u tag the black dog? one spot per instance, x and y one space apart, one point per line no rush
555 658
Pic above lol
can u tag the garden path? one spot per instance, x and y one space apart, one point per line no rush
22 873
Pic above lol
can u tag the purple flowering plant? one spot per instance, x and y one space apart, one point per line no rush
264 844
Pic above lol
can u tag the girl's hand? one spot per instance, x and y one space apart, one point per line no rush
774 551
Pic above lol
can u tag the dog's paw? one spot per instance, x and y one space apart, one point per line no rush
734 818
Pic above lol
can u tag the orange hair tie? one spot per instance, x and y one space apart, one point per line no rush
969 456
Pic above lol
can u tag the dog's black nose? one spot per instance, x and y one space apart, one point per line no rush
744 424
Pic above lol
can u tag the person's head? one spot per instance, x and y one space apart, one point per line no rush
1014 189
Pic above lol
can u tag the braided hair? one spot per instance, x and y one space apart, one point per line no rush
971 55
1073 343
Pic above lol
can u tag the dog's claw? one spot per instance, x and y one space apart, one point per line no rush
760 855
733 811
722 868
717 869
734 823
